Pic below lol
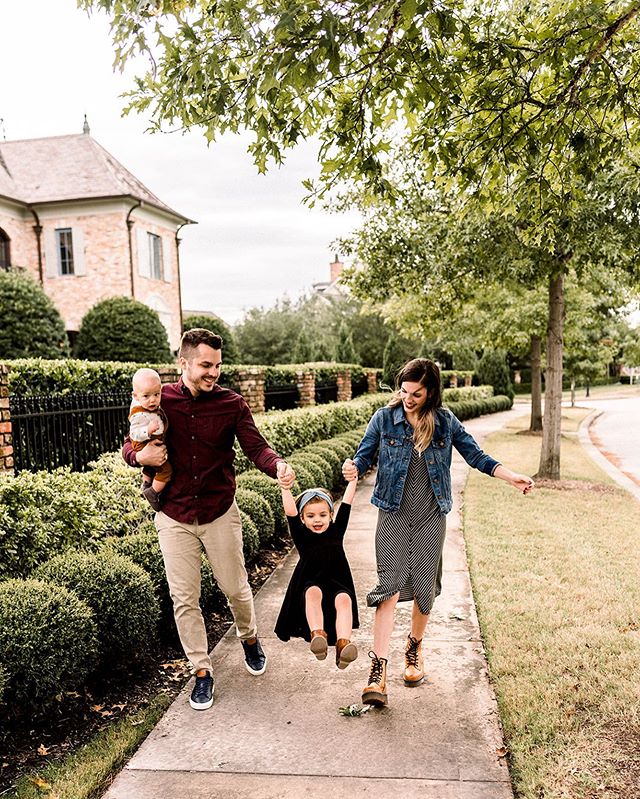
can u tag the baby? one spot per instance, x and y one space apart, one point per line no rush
148 422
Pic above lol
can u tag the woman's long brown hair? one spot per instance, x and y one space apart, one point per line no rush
425 372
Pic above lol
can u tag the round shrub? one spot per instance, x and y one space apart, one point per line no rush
115 488
305 478
259 510
326 451
31 324
322 464
143 549
215 325
122 329
40 514
269 489
48 640
119 592
250 536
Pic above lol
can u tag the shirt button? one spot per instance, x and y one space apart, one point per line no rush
193 438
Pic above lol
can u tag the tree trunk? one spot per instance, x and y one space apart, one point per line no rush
549 467
535 425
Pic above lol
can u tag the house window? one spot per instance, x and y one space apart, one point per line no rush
155 256
5 253
64 248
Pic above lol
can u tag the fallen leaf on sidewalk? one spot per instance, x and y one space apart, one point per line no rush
354 710
502 751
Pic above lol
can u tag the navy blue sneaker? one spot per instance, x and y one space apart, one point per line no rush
254 658
202 694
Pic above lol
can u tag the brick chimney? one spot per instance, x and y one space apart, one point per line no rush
336 268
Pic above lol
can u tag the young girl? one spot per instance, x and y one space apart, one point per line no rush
320 603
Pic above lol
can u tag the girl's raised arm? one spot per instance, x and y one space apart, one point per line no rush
288 502
350 491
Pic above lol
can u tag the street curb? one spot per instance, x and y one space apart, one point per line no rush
600 459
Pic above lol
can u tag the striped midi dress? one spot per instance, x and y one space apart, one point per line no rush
409 543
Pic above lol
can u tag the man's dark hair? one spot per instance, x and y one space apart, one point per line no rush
193 338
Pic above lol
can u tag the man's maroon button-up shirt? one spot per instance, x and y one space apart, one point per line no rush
199 439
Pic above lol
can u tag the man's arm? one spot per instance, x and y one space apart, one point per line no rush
254 444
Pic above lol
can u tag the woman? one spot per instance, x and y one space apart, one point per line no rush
413 436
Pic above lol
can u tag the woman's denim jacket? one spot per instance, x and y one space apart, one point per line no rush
390 434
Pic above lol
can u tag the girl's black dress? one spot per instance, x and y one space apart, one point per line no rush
323 563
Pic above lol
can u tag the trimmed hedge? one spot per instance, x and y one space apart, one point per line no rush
144 550
268 489
250 536
120 594
259 511
48 641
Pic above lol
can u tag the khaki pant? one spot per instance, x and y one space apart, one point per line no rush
182 546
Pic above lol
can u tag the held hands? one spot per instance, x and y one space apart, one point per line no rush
153 426
285 475
349 470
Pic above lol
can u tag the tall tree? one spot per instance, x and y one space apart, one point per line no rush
529 100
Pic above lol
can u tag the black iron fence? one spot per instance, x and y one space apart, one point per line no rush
326 392
281 397
69 430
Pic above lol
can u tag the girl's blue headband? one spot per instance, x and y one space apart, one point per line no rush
307 496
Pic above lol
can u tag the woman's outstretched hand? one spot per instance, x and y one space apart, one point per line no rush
521 482
349 470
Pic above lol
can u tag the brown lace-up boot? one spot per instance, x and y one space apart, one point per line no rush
319 644
346 652
375 692
413 662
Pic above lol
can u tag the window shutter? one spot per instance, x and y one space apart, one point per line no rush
144 265
167 257
77 239
50 253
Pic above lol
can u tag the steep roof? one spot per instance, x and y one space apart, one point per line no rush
71 167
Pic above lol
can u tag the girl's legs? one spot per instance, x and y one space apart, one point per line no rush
313 607
344 616
315 620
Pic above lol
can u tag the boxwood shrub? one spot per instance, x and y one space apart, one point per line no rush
48 641
250 536
259 510
119 592
267 488
144 550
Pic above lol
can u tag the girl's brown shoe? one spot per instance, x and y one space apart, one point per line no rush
346 652
319 644
375 693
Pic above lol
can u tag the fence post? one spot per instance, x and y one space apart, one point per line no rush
343 379
251 386
306 388
372 381
6 437
453 381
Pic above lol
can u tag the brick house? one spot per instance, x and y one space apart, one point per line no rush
86 229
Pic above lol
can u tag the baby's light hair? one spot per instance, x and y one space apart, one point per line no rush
145 374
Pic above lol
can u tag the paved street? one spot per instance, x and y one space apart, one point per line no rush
611 435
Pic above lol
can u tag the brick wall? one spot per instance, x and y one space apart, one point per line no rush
23 246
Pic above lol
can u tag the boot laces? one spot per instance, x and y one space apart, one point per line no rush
412 652
375 676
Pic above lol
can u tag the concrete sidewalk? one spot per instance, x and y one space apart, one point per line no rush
280 736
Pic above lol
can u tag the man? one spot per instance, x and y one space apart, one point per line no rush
198 505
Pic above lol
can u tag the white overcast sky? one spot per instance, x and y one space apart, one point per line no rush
254 242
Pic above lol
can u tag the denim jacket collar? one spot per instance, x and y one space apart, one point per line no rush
398 416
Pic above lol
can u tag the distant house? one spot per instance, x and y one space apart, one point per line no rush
332 287
87 229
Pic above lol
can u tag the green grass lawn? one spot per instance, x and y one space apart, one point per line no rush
556 578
